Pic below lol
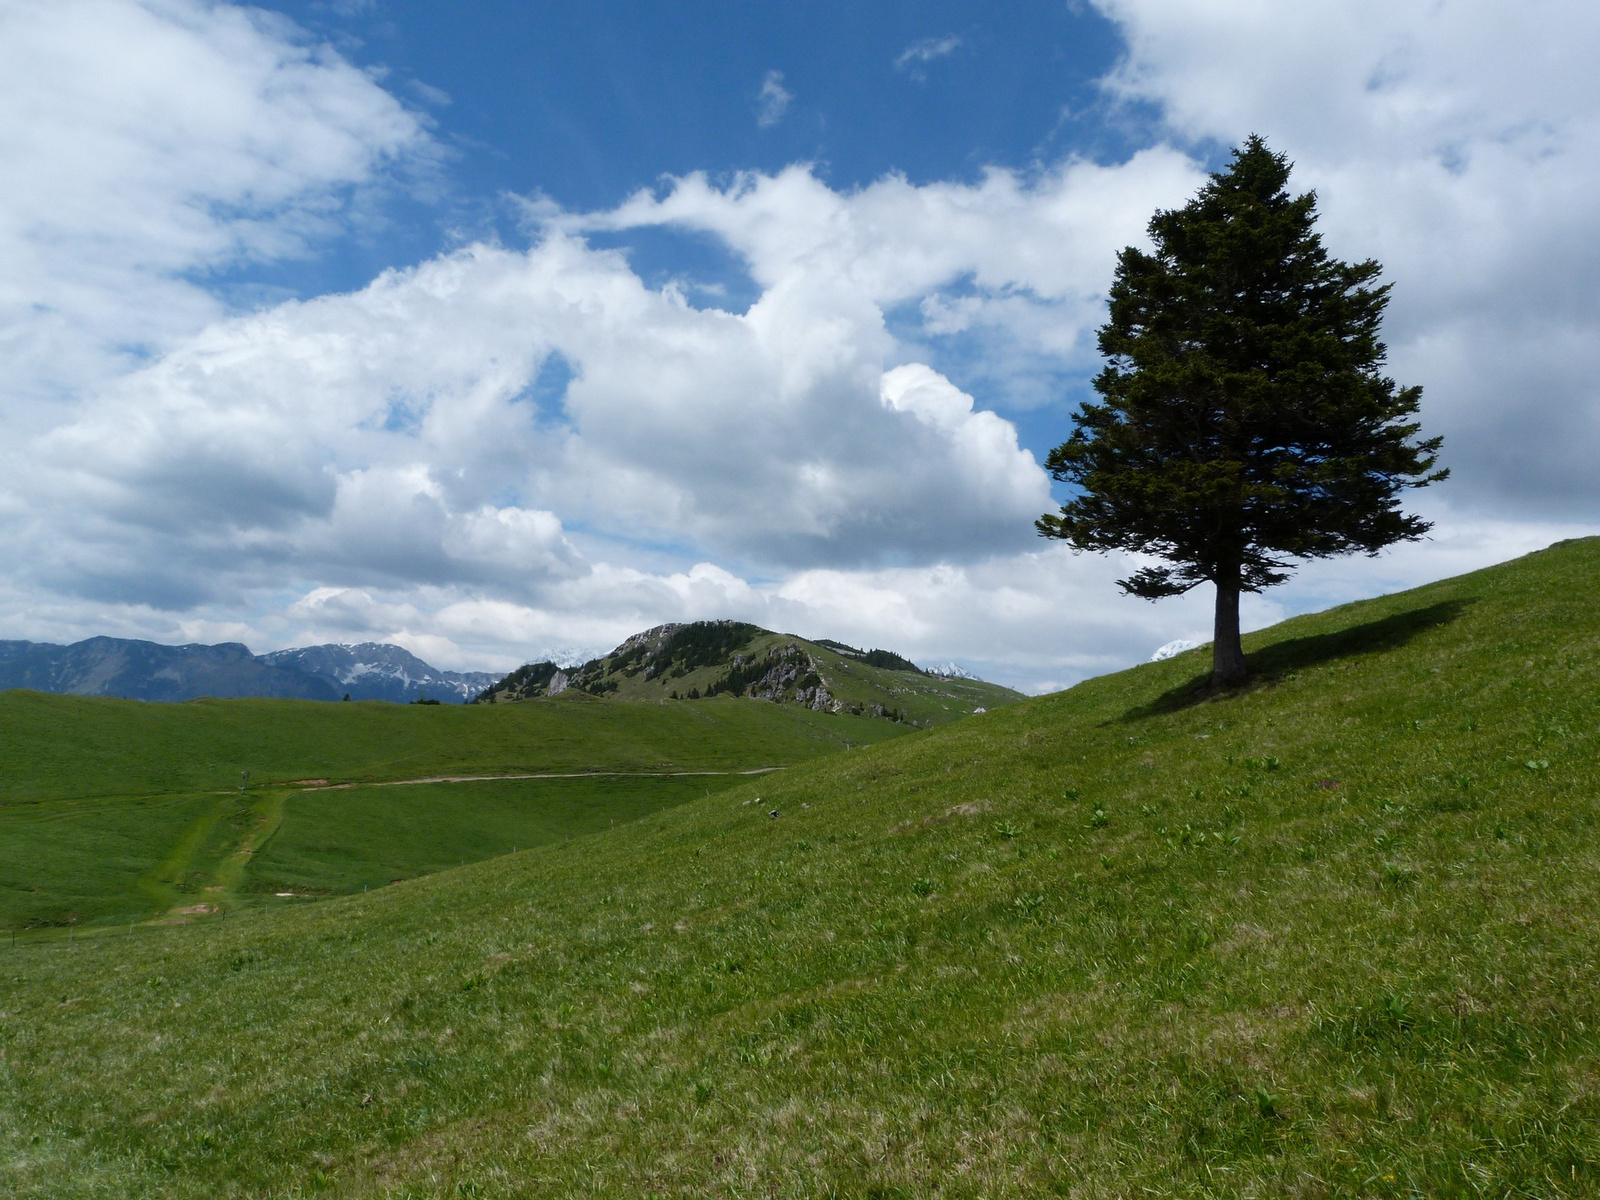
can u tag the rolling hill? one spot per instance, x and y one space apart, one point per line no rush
702 659
1333 935
116 811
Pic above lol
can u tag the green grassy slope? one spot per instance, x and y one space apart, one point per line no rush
73 851
1332 937
345 841
78 746
67 866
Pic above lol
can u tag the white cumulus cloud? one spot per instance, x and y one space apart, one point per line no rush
142 143
1457 143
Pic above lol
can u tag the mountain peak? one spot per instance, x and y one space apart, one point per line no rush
699 660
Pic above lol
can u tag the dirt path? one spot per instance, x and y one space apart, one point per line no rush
336 787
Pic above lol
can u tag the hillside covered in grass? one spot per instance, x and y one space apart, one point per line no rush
703 659
1334 936
73 747
114 811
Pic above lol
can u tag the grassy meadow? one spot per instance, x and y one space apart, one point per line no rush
1334 936
72 747
114 811
347 840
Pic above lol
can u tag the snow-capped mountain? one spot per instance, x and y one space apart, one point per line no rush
379 671
949 670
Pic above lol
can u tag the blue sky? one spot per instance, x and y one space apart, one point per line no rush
499 330
589 102
586 104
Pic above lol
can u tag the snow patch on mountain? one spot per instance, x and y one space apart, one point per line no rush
380 671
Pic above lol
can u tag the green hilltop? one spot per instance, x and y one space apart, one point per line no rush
702 659
1334 935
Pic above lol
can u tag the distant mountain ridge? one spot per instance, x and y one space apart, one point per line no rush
140 670
381 671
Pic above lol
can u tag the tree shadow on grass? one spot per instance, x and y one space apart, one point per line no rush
1272 663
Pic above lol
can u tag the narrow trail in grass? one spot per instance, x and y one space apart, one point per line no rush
268 812
335 787
222 893
163 883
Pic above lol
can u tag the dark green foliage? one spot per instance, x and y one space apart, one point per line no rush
1244 421
741 676
889 661
706 643
682 649
886 660
521 681
685 648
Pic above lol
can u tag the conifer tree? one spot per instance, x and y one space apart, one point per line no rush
1243 421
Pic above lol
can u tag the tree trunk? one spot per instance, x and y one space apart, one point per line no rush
1227 654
